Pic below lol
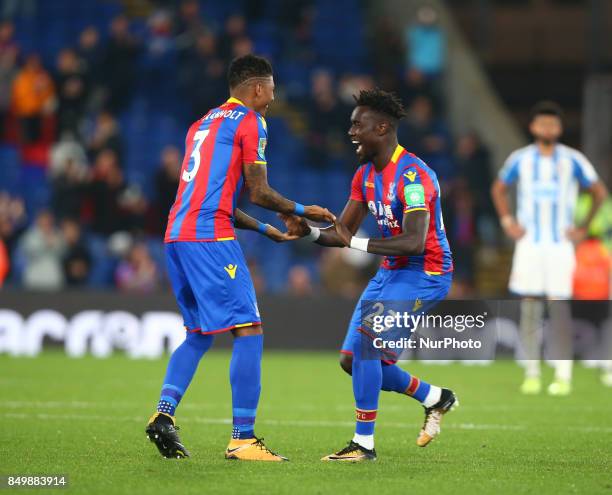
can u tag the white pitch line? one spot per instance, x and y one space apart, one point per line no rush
190 406
298 423
269 422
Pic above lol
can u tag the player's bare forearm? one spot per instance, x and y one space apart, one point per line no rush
244 221
410 242
261 194
329 238
499 194
400 245
599 193
352 216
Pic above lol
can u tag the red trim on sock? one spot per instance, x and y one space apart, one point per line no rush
413 385
365 416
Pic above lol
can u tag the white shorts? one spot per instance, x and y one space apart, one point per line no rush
543 269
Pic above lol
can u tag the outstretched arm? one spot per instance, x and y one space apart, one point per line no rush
261 194
410 242
352 216
246 222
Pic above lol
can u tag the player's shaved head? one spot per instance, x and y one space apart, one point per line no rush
248 68
384 103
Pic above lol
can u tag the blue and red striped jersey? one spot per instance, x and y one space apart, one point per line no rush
405 185
216 147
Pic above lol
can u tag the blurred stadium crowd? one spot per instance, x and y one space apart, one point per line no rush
95 98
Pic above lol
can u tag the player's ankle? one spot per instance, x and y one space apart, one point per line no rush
366 441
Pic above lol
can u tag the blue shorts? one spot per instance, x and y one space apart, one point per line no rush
212 285
397 285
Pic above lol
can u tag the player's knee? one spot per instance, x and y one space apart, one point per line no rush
199 341
346 363
247 331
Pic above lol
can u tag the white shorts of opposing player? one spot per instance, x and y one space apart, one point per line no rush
543 269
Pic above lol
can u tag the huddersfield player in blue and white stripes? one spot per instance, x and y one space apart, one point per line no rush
548 176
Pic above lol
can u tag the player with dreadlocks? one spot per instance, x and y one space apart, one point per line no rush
403 194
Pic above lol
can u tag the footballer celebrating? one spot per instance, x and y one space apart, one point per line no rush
224 151
403 194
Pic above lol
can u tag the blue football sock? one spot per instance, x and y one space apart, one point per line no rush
397 380
181 368
418 389
394 379
367 382
245 379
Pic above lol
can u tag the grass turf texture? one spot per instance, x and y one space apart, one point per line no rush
85 418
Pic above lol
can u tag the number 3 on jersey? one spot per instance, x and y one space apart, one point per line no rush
198 139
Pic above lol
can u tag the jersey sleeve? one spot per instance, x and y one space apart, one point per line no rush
253 139
413 193
508 174
357 186
583 170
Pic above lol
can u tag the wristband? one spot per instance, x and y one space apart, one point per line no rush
314 234
506 221
360 243
298 209
262 227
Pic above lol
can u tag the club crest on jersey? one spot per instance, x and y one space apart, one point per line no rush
410 175
261 149
391 193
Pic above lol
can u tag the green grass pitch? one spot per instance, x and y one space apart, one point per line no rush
85 418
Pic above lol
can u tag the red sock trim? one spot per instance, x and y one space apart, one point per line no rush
365 416
413 385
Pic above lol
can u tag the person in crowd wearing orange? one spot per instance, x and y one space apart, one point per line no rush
33 97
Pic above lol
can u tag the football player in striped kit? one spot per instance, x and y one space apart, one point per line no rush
548 176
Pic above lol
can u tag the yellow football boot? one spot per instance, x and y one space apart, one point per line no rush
251 449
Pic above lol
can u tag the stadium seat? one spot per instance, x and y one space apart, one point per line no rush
34 188
10 168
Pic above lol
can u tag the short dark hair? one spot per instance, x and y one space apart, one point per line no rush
547 107
247 67
381 101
